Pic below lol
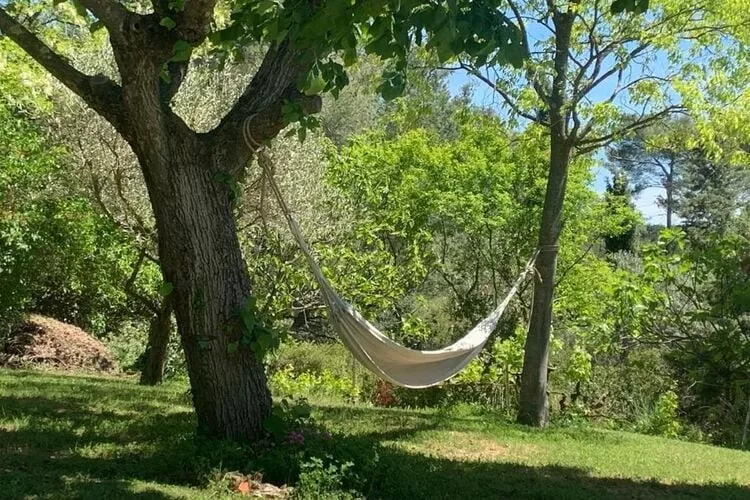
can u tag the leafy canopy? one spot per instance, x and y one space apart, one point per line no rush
480 31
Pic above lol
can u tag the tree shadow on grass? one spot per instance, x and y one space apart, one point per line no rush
413 476
59 448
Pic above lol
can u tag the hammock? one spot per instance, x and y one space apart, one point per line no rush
388 359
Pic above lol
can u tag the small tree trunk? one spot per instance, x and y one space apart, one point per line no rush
669 188
155 357
533 408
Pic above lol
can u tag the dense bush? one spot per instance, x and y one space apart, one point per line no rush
318 369
60 256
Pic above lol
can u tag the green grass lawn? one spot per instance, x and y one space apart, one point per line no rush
65 436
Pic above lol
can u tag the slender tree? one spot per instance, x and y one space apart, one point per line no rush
595 76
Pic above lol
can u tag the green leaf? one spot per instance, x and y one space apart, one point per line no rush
315 83
265 341
181 51
165 288
168 23
176 5
393 85
635 6
274 424
164 74
350 57
233 347
248 320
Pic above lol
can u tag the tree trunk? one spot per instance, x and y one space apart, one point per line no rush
533 405
746 427
533 402
155 357
670 193
201 258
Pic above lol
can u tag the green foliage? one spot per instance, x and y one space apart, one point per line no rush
620 207
693 300
58 255
701 185
288 381
427 212
663 420
313 357
636 6
478 30
288 416
624 389
318 369
126 344
319 479
254 332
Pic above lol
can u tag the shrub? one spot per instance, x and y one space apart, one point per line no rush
286 382
324 479
297 450
624 388
312 357
662 420
127 344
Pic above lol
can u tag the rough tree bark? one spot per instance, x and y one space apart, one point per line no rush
198 246
533 402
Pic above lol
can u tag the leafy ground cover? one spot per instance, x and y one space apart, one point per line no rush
68 436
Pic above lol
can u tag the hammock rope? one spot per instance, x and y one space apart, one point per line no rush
386 358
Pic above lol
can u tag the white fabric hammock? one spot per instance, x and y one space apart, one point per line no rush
393 362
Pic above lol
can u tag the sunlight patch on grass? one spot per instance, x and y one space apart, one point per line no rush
467 446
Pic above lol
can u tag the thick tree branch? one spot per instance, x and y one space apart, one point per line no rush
194 21
258 110
99 92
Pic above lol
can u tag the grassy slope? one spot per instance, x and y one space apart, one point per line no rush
86 437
